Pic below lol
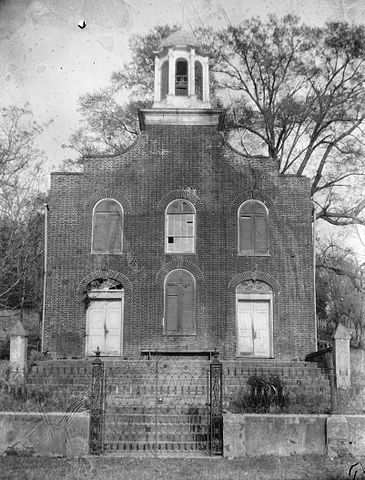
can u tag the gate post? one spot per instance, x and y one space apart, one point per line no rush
216 406
97 406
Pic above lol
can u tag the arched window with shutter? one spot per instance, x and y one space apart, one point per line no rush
253 236
107 227
179 303
180 227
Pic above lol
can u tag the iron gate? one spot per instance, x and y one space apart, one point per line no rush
156 406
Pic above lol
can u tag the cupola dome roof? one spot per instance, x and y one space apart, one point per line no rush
180 38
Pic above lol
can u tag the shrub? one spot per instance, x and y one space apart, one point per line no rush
265 395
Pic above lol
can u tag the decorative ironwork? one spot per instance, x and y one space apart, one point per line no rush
97 406
216 406
157 406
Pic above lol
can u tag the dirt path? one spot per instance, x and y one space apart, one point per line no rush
128 468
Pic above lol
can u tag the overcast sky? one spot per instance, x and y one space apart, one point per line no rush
48 61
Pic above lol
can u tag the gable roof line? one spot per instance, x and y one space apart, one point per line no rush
117 154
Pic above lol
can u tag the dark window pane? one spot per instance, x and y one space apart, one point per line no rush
181 78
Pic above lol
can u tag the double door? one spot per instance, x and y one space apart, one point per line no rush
104 327
254 329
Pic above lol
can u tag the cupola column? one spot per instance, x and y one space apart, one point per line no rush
157 94
191 84
205 62
172 67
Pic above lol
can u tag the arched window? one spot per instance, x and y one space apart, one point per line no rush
179 303
180 227
181 77
253 236
198 80
164 79
107 227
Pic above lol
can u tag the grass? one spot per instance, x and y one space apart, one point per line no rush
132 468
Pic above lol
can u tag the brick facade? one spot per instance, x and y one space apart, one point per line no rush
168 162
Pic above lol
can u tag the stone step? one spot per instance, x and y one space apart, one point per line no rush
174 448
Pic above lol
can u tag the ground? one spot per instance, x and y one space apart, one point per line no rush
132 468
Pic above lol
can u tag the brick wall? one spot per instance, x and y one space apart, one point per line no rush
168 162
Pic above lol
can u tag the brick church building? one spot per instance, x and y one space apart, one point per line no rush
181 243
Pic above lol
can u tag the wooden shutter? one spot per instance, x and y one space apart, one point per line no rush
246 234
187 308
100 232
261 235
171 309
107 227
180 304
114 233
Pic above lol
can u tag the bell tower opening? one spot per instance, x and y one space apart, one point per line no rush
181 73
181 77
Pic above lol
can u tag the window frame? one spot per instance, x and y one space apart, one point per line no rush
180 332
251 215
95 252
193 236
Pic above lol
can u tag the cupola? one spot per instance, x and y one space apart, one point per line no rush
181 73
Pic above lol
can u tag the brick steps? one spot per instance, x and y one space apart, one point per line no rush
180 382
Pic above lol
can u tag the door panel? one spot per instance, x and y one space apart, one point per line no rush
254 328
95 328
261 329
112 327
245 321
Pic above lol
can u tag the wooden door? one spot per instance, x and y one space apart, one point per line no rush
103 327
254 328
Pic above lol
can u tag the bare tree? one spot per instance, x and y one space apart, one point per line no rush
298 93
341 289
21 242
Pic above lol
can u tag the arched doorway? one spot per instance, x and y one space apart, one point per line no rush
104 317
254 319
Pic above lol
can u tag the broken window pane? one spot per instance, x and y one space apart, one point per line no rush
180 227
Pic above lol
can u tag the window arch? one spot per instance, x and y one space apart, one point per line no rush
198 80
164 79
181 77
180 227
253 238
107 227
179 316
